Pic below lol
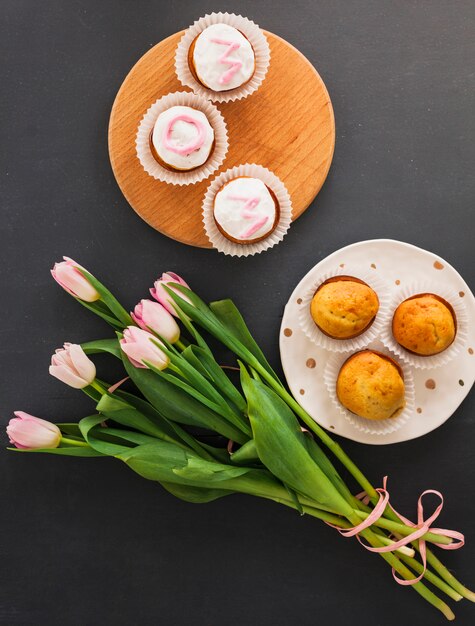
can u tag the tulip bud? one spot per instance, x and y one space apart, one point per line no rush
159 293
71 365
153 316
139 346
70 278
29 433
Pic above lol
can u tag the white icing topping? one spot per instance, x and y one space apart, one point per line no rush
222 66
245 209
170 130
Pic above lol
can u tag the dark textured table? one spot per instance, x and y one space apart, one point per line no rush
88 542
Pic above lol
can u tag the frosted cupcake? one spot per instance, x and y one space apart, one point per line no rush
221 58
182 139
246 210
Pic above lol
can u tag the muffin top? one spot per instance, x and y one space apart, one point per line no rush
424 324
182 137
245 210
222 58
371 385
344 307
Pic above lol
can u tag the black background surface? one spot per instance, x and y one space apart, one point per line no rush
87 542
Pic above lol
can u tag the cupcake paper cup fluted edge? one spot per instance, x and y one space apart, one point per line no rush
256 38
216 120
218 240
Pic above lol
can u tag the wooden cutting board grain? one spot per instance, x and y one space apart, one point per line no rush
287 126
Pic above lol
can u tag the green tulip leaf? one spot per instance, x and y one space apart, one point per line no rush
328 468
228 314
108 299
121 412
282 447
178 406
128 436
95 307
201 313
195 495
156 461
109 346
70 428
172 431
186 377
192 358
167 463
246 453
64 451
104 443
199 470
215 373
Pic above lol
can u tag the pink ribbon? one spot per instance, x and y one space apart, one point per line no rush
115 386
422 527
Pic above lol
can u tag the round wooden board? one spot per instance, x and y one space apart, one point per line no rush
287 126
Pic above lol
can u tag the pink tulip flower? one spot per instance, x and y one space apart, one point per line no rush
71 365
153 316
29 433
70 278
159 293
139 346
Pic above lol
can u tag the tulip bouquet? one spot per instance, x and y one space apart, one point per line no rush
264 444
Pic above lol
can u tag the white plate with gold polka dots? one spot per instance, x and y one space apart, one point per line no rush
438 391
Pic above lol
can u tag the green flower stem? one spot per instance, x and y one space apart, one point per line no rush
74 442
318 430
402 529
98 387
358 475
419 569
341 523
432 578
406 557
396 528
435 563
406 573
179 344
432 560
449 577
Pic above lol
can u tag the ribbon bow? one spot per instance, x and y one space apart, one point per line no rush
422 527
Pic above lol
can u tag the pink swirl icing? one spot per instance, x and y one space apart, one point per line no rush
194 144
236 64
248 212
254 228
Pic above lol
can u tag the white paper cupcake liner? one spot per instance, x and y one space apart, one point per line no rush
255 37
456 302
345 345
371 427
216 158
218 240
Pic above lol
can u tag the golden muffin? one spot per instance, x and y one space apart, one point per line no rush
424 324
343 307
371 385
